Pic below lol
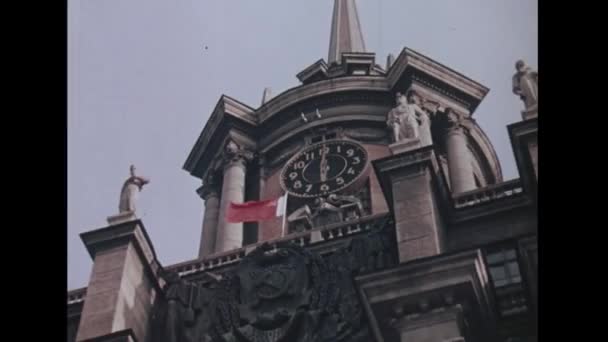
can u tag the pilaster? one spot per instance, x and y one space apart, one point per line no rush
123 285
416 193
524 139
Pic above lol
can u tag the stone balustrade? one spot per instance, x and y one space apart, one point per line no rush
314 236
488 194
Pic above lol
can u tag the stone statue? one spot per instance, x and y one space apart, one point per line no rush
129 192
351 206
425 128
403 119
525 84
325 212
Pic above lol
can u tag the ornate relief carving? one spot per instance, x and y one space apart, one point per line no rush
455 121
235 154
276 295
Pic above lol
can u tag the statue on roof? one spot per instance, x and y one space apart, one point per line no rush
130 189
525 84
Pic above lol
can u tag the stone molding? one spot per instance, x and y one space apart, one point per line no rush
411 58
454 278
225 106
206 191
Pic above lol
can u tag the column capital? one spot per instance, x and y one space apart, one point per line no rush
455 120
207 191
236 155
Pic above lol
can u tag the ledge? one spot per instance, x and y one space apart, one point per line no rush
313 238
451 78
428 284
121 234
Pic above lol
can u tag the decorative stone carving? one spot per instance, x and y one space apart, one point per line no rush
454 119
300 219
235 154
288 294
208 190
425 128
403 119
325 212
185 314
351 206
130 189
525 85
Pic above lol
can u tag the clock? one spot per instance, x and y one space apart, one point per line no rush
324 168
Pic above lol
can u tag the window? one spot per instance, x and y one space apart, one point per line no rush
504 267
505 273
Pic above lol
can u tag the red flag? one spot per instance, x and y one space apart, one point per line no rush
252 211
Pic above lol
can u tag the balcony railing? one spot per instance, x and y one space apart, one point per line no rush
314 236
488 194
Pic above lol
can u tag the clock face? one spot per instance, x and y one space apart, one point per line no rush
324 168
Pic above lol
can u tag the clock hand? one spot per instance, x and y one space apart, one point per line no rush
323 167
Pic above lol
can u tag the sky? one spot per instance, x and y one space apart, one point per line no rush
144 76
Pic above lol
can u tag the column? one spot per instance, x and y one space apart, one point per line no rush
459 157
209 194
230 235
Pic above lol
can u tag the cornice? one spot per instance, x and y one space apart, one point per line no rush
410 58
307 91
316 67
225 106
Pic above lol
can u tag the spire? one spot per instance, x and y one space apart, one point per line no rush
346 35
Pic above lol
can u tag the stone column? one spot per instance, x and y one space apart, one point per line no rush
459 158
123 286
230 235
209 194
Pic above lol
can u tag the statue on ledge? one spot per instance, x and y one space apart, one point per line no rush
130 189
404 120
525 84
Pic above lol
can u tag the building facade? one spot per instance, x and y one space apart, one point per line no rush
398 226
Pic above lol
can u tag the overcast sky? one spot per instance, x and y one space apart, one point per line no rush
144 75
